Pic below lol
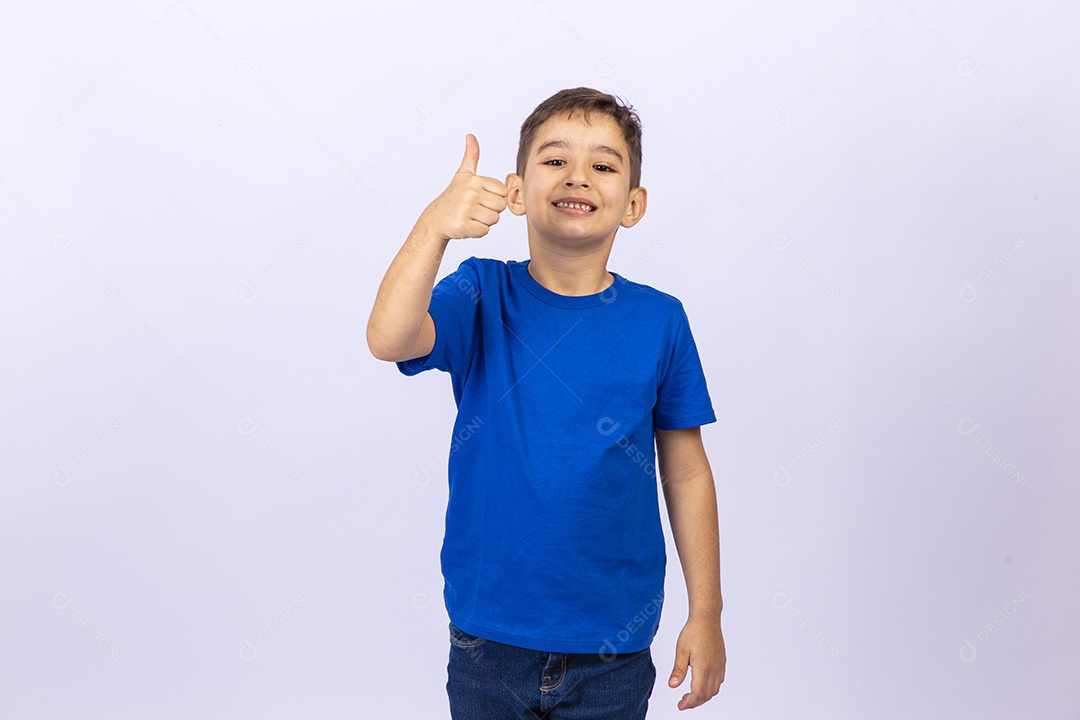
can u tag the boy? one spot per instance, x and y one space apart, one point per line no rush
563 374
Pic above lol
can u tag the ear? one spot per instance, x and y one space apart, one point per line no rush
635 209
515 200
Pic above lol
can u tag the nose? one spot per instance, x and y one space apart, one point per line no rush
576 176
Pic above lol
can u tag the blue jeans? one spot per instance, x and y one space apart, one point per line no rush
487 680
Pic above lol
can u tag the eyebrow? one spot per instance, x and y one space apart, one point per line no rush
563 144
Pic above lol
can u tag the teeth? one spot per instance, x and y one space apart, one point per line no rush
578 206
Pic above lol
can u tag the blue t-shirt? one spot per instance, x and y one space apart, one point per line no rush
553 538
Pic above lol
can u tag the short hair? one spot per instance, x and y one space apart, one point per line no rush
585 100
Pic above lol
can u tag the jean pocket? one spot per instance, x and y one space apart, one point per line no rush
463 639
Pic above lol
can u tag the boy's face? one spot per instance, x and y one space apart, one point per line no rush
574 160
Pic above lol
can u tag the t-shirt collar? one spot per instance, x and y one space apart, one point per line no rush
605 296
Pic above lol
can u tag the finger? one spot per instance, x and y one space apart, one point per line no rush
476 229
690 700
695 697
703 687
492 201
494 186
678 673
472 155
485 216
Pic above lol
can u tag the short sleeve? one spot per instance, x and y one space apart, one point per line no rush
683 397
455 309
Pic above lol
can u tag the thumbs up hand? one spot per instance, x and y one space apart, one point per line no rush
471 204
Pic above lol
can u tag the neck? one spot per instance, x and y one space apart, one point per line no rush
572 275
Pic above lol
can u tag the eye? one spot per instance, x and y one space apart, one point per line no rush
548 162
604 168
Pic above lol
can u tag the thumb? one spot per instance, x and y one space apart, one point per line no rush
472 155
678 673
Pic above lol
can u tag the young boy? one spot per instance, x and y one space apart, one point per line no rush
563 374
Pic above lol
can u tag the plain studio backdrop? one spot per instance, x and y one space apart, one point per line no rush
216 504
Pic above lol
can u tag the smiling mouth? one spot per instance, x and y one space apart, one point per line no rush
575 205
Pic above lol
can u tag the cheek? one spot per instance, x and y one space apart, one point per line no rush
614 198
534 198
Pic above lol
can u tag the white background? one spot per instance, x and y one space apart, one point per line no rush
216 504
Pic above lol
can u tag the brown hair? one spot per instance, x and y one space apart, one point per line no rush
585 100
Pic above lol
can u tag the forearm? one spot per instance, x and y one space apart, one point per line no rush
691 504
468 208
405 292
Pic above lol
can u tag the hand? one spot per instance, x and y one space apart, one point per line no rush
701 646
471 204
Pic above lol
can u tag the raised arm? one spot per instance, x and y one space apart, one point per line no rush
400 328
